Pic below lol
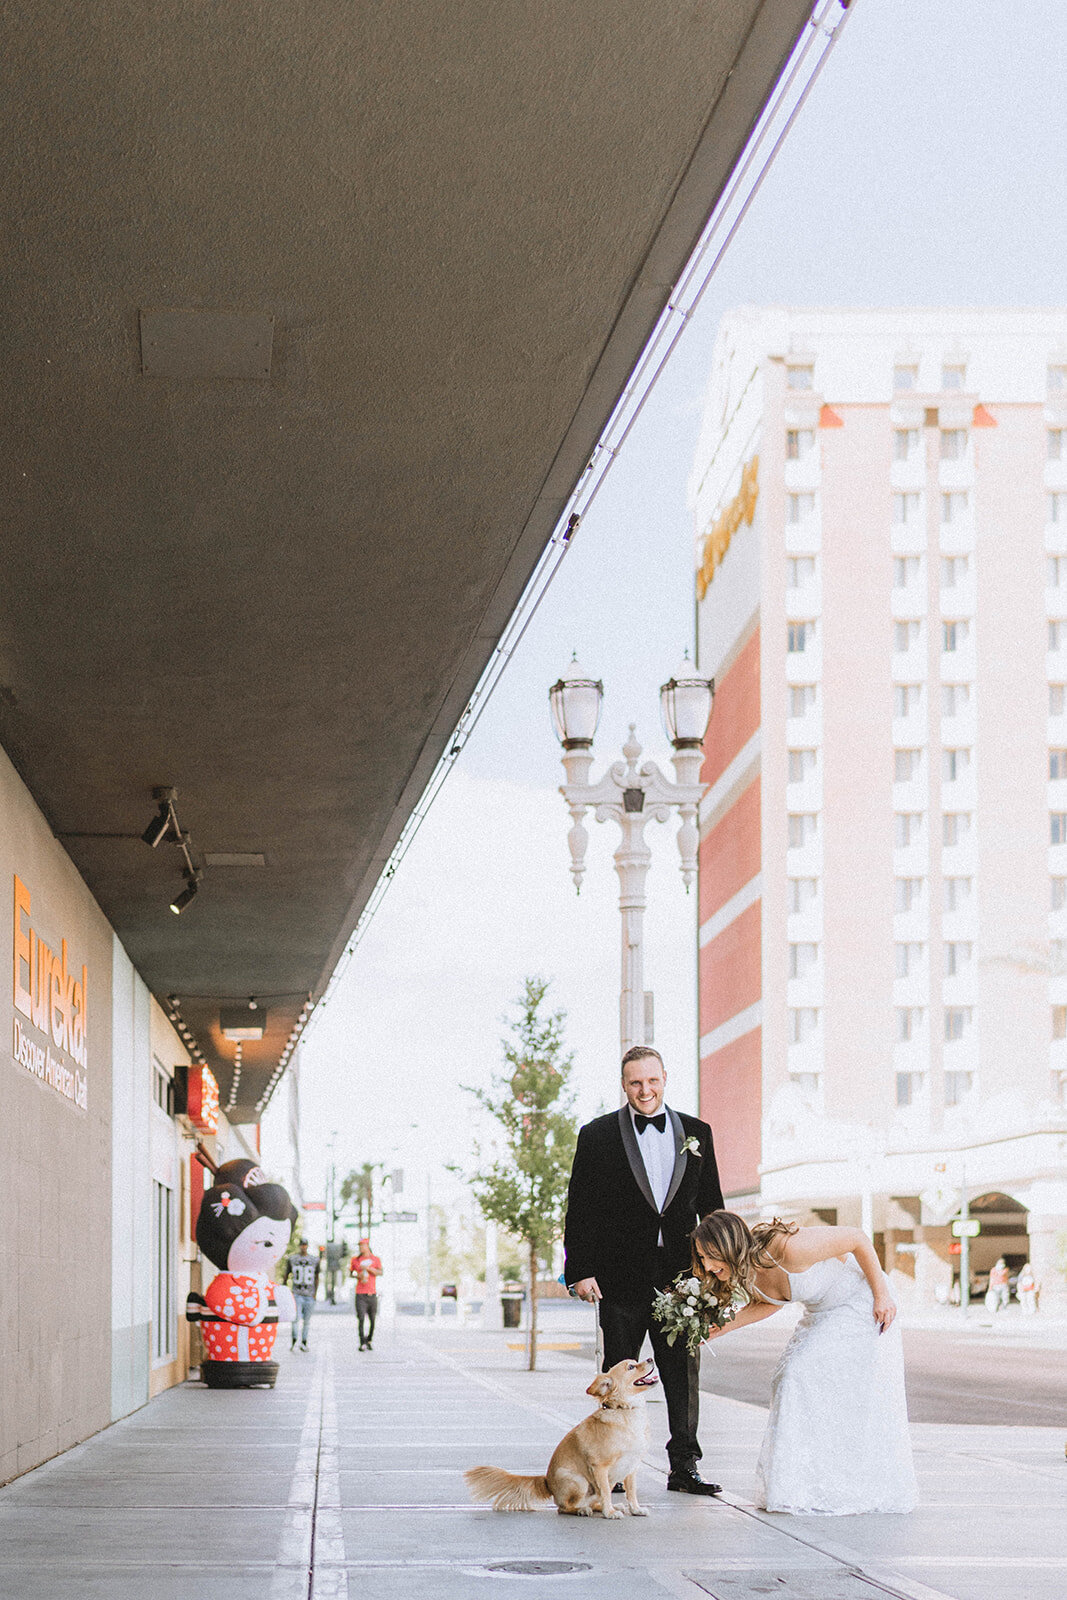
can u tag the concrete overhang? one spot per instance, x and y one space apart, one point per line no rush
313 314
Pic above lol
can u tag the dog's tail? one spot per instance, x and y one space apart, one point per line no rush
507 1491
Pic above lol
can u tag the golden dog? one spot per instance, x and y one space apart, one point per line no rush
602 1450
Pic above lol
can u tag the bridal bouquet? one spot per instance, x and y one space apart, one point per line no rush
688 1309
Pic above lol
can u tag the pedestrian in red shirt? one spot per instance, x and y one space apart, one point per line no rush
366 1268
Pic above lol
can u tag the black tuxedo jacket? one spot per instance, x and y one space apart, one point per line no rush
613 1223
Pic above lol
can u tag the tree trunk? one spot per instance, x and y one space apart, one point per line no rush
532 1362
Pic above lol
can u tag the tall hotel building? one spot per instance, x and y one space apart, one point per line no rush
881 513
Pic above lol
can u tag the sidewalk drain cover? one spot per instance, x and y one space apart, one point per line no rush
537 1569
806 1584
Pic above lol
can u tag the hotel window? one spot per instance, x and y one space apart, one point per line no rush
1059 1022
1057 957
800 377
953 444
160 1087
905 375
1057 444
957 957
909 959
905 443
1058 894
1055 572
799 508
957 1087
907 893
1057 699
955 698
799 442
802 893
800 570
908 1085
955 826
802 957
1057 827
905 571
909 1023
957 893
953 375
801 699
906 508
907 828
953 570
1056 376
957 1023
1057 635
954 635
953 505
954 764
799 636
907 765
907 697
1056 507
801 765
803 826
1057 764
905 634
803 1024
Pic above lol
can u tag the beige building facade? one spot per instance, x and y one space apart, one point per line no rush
97 1253
880 501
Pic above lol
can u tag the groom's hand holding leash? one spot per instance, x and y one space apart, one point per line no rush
587 1289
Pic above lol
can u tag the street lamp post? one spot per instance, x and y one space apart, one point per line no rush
631 793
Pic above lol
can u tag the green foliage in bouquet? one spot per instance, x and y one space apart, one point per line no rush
689 1309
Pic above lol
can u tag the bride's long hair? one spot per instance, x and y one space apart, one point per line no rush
744 1250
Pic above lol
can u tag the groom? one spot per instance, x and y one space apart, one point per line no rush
642 1179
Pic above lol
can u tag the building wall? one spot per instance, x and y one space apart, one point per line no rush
55 1154
908 758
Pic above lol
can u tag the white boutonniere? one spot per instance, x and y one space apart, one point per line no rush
691 1146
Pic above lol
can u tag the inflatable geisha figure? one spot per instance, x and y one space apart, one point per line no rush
243 1228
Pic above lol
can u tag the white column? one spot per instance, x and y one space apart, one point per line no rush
632 860
492 1311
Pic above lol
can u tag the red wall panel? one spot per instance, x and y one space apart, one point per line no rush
731 1101
737 711
731 970
730 852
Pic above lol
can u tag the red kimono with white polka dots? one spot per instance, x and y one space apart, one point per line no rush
243 1302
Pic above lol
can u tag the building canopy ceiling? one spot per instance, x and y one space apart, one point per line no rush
312 316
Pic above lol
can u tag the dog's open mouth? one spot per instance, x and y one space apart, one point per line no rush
647 1381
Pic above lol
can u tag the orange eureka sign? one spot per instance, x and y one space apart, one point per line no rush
45 989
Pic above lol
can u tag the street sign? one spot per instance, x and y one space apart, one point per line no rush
966 1228
314 1205
400 1216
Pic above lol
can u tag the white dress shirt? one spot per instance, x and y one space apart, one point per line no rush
657 1153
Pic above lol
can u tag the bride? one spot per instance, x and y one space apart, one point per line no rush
837 1437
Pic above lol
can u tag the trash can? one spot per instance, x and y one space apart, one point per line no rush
511 1297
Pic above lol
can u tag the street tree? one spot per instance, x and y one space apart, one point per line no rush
521 1184
357 1191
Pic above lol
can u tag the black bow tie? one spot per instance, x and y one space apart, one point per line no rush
642 1122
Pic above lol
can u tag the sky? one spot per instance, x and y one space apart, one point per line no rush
926 168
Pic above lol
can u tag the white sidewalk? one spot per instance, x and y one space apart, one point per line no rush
346 1481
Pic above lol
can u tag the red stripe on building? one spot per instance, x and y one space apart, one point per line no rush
731 970
737 712
731 1101
730 852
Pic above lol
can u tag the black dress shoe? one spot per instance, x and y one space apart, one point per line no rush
690 1482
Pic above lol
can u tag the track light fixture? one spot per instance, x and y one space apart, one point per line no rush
187 895
165 823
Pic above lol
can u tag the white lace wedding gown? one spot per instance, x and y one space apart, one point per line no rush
837 1437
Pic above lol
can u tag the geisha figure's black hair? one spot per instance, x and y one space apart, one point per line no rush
239 1196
